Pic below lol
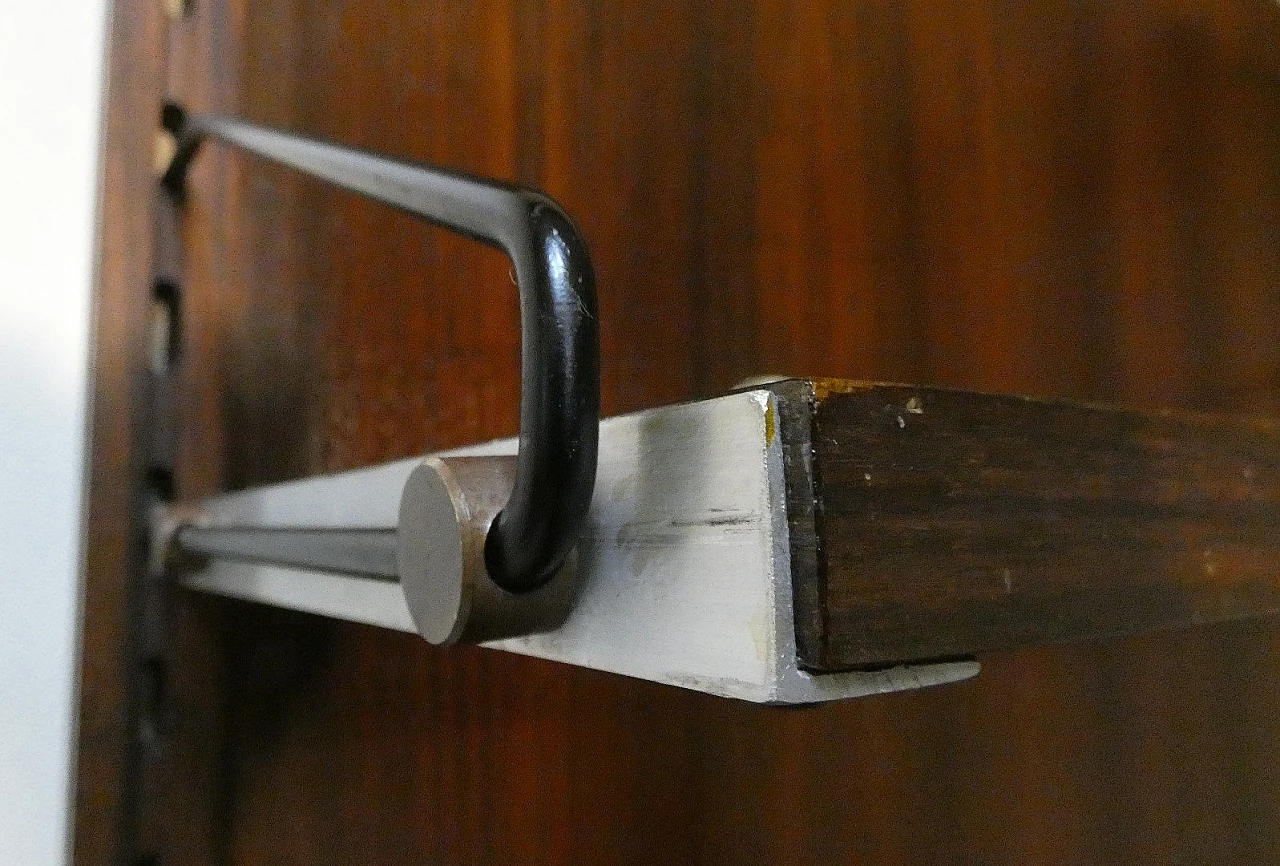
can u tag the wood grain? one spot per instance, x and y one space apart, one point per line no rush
1068 199
109 753
954 523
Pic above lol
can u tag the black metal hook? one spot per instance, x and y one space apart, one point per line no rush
560 335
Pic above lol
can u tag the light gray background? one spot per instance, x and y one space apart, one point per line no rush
51 76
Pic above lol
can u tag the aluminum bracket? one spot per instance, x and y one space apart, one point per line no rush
683 572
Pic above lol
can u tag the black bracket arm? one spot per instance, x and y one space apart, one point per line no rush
560 337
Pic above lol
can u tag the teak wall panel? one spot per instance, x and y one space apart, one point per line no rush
1068 199
104 757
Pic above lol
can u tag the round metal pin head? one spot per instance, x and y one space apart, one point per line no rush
445 512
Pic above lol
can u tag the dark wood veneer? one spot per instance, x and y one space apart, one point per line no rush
1079 199
955 523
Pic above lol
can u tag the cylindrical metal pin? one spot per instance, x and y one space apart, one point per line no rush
445 513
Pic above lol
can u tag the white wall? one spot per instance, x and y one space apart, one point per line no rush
51 75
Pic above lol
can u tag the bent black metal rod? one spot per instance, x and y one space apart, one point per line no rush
560 338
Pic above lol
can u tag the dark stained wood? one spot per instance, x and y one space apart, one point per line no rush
952 523
148 780
110 755
796 402
1069 199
